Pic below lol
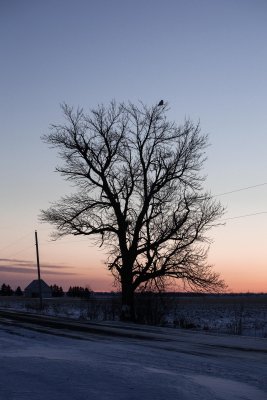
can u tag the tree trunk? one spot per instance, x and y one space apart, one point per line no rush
127 294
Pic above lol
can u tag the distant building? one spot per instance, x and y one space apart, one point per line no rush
32 290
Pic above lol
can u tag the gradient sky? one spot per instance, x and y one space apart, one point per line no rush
207 58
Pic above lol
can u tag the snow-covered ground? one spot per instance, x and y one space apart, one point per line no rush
181 365
241 315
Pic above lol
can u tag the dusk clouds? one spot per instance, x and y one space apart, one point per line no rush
12 265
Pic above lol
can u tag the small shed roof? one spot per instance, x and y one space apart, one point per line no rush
34 286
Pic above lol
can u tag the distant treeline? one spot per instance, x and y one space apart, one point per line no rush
86 292
74 291
7 291
56 291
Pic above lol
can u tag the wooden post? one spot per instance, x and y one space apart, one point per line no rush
38 269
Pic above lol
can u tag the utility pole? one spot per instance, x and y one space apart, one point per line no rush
38 269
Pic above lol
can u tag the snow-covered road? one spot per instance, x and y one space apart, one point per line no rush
42 366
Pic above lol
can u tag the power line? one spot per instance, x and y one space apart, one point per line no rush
241 189
15 241
216 195
20 251
245 215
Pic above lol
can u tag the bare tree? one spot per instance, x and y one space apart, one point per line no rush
139 193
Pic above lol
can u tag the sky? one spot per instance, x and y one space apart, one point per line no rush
206 58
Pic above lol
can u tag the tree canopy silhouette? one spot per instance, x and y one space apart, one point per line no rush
139 192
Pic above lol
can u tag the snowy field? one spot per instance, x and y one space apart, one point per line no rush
241 315
171 364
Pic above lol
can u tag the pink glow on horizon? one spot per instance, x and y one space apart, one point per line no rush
104 281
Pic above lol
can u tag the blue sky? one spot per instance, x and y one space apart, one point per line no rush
207 58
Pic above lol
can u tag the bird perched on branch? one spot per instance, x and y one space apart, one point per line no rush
161 103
